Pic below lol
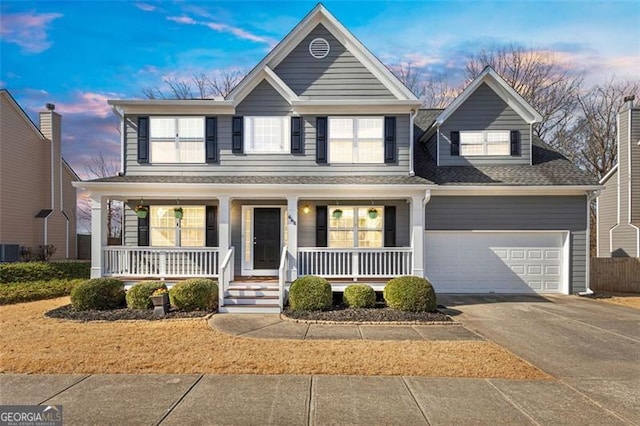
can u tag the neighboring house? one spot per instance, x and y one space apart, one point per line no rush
37 199
619 202
321 162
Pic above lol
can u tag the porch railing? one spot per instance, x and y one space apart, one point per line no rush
226 276
283 270
354 263
132 261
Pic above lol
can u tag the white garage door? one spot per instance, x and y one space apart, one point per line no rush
499 262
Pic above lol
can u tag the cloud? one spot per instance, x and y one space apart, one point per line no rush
89 103
146 7
181 20
27 30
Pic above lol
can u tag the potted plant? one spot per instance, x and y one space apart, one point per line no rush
160 299
177 212
141 211
337 214
373 213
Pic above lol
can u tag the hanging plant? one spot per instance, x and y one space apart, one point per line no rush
373 213
337 214
141 211
177 212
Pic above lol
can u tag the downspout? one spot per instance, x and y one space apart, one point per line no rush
62 207
117 112
591 195
412 116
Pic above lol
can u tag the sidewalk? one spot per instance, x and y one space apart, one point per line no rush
302 400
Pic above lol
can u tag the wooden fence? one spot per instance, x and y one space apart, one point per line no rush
615 274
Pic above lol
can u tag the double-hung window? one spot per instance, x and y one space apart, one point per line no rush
488 142
268 135
176 139
356 226
167 231
356 140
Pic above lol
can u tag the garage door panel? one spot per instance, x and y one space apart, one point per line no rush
501 262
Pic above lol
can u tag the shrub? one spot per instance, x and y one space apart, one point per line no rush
35 290
138 295
99 294
194 294
410 293
310 293
43 271
359 296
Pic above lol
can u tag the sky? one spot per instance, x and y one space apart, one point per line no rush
79 54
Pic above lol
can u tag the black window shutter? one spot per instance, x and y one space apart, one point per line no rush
455 143
389 139
321 140
212 226
515 142
211 139
143 230
321 226
297 135
390 226
143 139
237 139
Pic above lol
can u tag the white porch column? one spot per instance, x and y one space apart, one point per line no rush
292 236
224 226
98 233
417 232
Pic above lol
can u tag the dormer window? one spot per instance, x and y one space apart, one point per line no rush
488 142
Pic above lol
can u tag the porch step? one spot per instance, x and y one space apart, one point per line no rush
251 297
249 309
251 300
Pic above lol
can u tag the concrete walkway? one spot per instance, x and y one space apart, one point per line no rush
271 326
304 400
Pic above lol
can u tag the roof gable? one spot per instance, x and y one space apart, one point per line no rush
5 93
320 15
502 89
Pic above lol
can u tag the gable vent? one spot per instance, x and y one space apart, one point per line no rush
319 48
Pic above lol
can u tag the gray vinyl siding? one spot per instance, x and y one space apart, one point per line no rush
607 214
484 110
635 166
231 164
338 75
624 241
518 213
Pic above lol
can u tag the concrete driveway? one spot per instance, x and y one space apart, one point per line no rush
592 347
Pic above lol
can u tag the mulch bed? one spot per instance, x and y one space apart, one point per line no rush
380 313
67 312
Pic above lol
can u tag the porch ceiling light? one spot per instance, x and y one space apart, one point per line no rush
306 209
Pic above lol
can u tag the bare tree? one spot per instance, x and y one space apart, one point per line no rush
198 86
540 78
435 92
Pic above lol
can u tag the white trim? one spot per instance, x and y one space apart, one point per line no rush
488 190
598 227
249 135
566 247
502 89
618 188
530 144
247 267
356 106
606 177
174 106
325 45
412 116
438 145
628 141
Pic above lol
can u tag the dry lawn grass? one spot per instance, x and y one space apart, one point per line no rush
630 300
35 344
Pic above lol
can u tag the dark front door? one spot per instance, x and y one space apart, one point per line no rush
266 238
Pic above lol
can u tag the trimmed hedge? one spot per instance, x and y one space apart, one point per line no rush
35 290
98 294
310 293
410 293
194 294
138 295
359 296
43 271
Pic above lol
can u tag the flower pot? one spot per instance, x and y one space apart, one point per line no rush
337 214
373 213
160 304
142 213
177 214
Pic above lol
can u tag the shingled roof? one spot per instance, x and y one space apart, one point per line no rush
272 180
549 166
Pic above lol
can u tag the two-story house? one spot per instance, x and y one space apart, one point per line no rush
37 199
618 216
321 162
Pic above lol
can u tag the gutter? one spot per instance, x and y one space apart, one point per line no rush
117 112
412 116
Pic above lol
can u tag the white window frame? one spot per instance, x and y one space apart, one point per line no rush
485 143
355 141
177 225
250 137
355 229
176 140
